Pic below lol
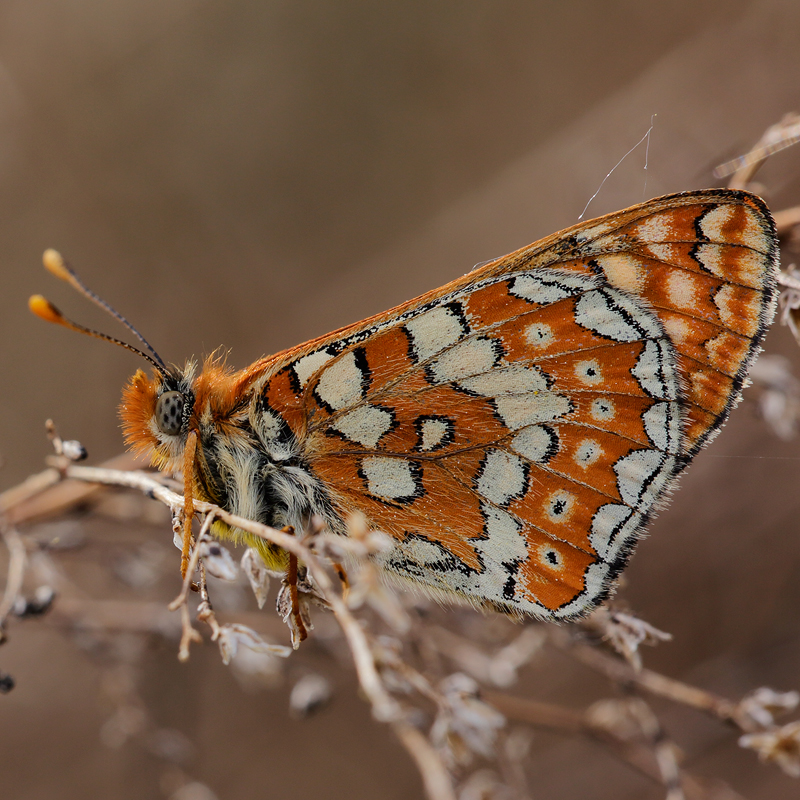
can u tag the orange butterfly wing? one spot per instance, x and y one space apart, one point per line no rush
514 429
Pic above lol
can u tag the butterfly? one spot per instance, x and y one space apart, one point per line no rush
512 431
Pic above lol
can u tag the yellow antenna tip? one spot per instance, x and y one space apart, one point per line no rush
54 264
44 309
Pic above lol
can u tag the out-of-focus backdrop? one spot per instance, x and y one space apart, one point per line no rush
253 174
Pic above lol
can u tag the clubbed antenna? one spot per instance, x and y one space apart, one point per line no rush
45 310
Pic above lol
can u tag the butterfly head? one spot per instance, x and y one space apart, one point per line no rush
158 412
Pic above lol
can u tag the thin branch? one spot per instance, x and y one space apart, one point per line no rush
14 574
621 672
47 493
786 219
655 760
774 139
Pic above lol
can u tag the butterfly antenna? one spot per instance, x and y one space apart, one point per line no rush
45 310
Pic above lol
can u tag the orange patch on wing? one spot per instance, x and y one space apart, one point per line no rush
706 387
606 368
739 309
588 455
451 524
559 506
549 585
387 355
545 332
707 343
697 425
616 413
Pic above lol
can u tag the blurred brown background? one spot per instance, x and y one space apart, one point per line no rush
253 174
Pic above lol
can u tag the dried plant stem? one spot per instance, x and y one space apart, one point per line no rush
774 139
47 493
435 777
29 488
538 714
291 579
191 564
385 708
786 219
645 759
14 574
188 565
621 672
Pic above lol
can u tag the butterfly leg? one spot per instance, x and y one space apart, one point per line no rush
188 499
291 582
342 576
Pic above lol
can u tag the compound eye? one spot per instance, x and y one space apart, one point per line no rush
169 413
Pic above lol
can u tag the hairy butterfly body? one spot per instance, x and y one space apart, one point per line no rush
511 431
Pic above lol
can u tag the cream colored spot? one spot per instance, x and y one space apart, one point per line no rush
753 234
733 263
612 524
662 424
539 334
548 286
390 478
663 252
712 257
745 229
678 329
635 473
724 300
587 453
365 425
714 221
306 366
341 384
471 357
502 477
589 372
433 432
505 541
559 506
657 228
507 380
624 271
434 330
536 443
615 315
520 410
683 290
737 310
603 409
656 370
